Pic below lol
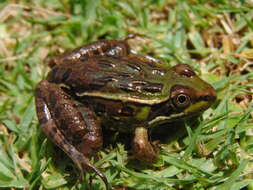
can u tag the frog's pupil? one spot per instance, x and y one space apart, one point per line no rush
181 98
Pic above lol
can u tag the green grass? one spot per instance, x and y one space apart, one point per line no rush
214 37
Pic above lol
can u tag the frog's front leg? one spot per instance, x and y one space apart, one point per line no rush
61 119
143 149
102 47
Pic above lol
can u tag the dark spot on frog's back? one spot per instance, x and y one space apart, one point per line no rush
148 86
105 63
126 87
134 67
100 82
106 79
83 59
65 74
95 51
58 75
153 87
124 75
138 86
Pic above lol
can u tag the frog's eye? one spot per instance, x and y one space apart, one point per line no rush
181 100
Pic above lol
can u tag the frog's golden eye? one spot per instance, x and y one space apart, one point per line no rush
181 100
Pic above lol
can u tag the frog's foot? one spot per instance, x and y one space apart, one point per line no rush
84 165
87 166
142 148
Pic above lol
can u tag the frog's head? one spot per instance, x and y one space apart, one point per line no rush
189 94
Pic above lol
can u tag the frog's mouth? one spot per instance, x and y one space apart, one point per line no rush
199 106
193 110
166 119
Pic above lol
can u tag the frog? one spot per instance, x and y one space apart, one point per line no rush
105 84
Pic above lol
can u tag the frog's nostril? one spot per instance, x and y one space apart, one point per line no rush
209 98
209 95
213 94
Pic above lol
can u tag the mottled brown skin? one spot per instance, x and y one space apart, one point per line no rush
104 83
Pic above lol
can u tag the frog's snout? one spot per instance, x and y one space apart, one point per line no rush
208 95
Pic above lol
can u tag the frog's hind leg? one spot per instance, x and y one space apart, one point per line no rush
55 111
90 142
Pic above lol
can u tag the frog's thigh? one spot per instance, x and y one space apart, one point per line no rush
103 47
50 128
142 148
59 107
50 99
92 140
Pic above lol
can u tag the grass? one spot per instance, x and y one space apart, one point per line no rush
214 37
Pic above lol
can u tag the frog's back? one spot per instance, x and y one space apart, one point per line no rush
126 78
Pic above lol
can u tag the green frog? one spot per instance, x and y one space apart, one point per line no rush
106 84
